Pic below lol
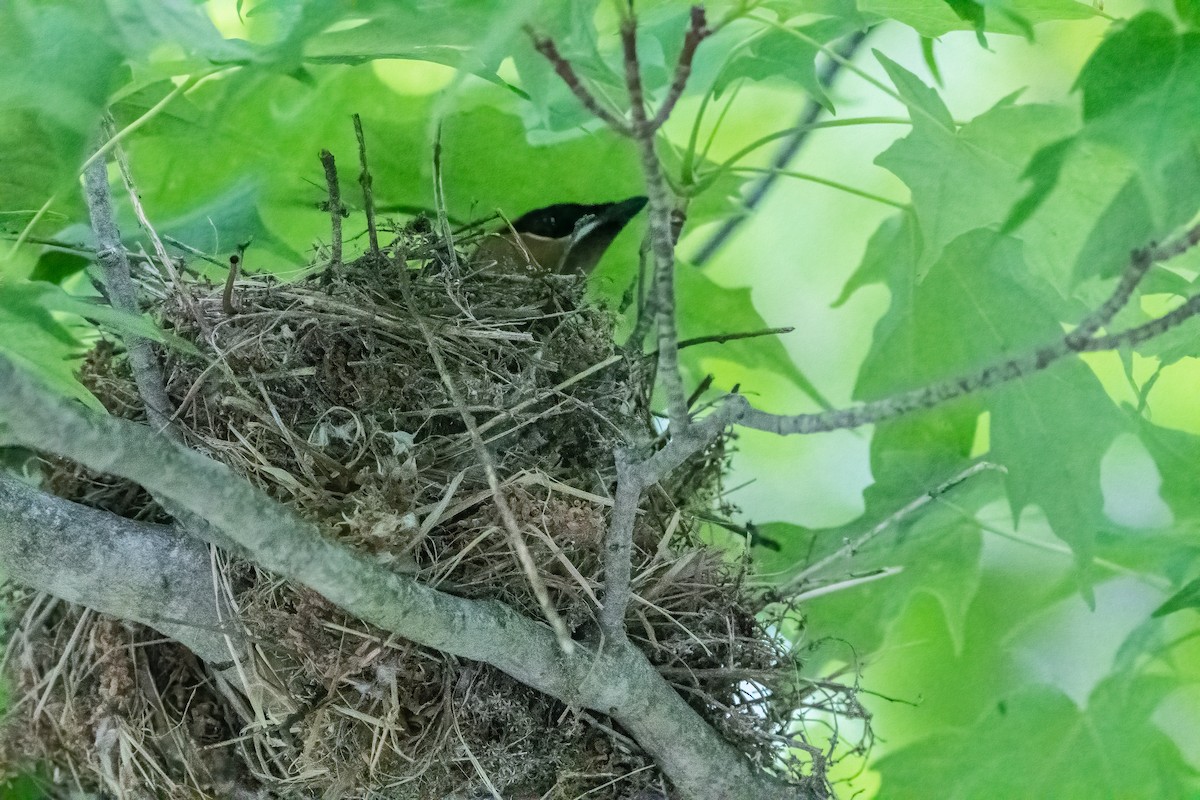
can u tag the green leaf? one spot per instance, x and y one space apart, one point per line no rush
778 54
53 298
1189 12
930 59
1050 430
934 18
36 341
1187 597
706 309
59 63
467 35
972 12
1176 453
965 178
1141 103
1073 752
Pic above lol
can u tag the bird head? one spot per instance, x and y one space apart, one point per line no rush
567 238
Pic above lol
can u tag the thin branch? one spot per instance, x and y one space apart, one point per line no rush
122 295
1148 330
722 338
697 32
854 545
1000 372
439 201
235 266
567 73
364 180
1140 262
198 253
758 192
662 243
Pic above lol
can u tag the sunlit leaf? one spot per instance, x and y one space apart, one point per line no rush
1071 752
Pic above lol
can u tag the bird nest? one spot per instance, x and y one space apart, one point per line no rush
325 394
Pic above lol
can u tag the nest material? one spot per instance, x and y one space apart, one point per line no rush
325 394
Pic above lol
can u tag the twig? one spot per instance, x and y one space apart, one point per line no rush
139 211
567 73
697 32
198 253
235 264
722 338
439 201
1148 330
118 282
1003 371
1140 262
336 210
758 192
662 242
364 180
852 546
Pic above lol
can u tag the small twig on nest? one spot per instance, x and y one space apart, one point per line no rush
439 201
235 264
336 211
122 294
364 180
139 211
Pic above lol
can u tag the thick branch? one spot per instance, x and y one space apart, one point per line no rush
618 681
618 548
152 574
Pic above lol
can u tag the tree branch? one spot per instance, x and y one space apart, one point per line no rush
567 73
152 574
336 210
618 549
1080 340
697 32
118 282
364 180
662 243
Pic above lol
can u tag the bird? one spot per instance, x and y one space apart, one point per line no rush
564 238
